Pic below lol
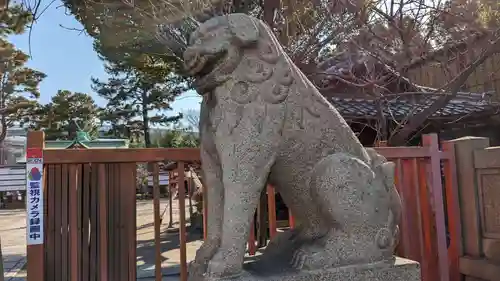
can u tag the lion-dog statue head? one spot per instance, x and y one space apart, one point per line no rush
216 48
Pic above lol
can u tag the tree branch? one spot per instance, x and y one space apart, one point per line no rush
451 89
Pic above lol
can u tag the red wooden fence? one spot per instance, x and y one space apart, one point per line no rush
90 211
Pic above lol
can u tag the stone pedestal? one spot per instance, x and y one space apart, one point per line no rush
398 270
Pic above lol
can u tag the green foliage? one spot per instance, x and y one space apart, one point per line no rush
123 35
13 20
58 118
178 137
19 87
138 96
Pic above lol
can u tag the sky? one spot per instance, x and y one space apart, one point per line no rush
68 58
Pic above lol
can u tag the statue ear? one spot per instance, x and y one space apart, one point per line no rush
244 28
388 170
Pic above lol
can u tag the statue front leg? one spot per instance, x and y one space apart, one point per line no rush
212 178
244 179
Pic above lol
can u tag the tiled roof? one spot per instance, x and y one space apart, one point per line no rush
398 107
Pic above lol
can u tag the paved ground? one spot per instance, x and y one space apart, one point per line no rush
13 235
169 241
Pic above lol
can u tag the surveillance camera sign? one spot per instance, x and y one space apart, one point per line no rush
34 196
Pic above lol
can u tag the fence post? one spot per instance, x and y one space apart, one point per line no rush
431 141
35 253
467 193
182 218
271 208
453 211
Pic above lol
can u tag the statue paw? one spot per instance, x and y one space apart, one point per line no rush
196 271
206 252
198 267
280 241
222 265
308 258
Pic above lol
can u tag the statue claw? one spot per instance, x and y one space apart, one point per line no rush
298 259
308 258
223 266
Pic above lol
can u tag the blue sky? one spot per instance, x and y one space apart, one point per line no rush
68 59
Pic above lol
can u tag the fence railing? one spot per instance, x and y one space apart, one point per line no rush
89 212
90 225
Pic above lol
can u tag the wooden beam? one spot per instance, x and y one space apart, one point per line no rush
120 155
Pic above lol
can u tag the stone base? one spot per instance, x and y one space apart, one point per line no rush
398 270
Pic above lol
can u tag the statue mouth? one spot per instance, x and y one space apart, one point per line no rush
200 66
206 70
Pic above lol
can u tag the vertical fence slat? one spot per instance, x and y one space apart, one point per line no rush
417 205
428 267
58 223
111 221
453 209
80 186
411 210
85 222
73 221
93 223
431 141
122 217
35 253
404 247
46 221
127 188
103 224
156 207
51 223
271 208
205 209
291 219
116 227
262 219
65 223
251 239
190 193
182 218
132 222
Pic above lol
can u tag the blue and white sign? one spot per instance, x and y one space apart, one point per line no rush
34 196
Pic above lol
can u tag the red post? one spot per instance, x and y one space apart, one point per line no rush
35 253
205 210
291 219
271 207
431 141
156 206
182 219
251 240
453 209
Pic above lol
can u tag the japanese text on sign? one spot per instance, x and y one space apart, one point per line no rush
34 197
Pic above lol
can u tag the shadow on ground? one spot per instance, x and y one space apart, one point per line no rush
169 245
14 266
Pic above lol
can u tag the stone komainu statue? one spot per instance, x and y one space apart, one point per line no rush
263 121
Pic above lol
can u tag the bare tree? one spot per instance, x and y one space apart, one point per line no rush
379 41
192 116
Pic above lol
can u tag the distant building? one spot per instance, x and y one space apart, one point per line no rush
13 146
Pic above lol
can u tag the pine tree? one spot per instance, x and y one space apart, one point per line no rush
66 108
18 83
138 96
